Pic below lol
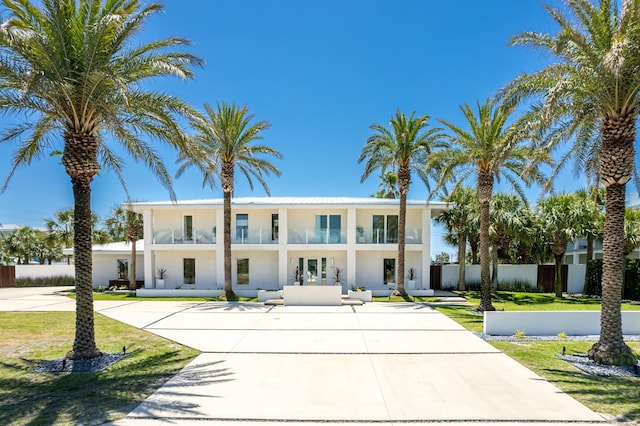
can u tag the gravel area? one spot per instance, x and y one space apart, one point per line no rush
580 361
93 365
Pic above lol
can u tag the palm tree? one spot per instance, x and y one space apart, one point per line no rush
504 226
388 187
74 70
489 150
225 137
562 216
456 222
631 230
406 147
126 225
591 95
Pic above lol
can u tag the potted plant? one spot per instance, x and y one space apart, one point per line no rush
411 276
297 276
162 273
338 272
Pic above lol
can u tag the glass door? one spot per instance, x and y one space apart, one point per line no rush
311 277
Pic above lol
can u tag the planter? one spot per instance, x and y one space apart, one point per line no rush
264 295
411 284
365 295
296 283
159 283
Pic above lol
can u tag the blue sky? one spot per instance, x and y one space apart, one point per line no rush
321 72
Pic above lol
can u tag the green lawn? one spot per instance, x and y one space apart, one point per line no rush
27 339
610 395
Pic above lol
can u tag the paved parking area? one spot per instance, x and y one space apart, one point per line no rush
377 363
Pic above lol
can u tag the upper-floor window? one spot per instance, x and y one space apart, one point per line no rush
385 229
242 226
187 227
274 227
328 228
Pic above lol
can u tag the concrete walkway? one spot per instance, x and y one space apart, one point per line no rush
377 363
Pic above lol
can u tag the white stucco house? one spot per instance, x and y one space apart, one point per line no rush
272 237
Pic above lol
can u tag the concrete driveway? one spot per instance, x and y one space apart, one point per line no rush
377 363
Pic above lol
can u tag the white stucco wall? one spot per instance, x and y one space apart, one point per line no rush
44 271
173 262
370 266
263 269
105 267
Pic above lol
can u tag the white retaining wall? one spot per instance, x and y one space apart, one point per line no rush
550 323
44 271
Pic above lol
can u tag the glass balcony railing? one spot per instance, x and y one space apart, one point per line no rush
378 236
178 236
253 236
317 236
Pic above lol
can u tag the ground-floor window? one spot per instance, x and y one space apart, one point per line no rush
389 271
189 268
243 271
123 269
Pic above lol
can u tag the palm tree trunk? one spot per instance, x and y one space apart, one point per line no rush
473 244
404 179
227 188
462 249
485 188
558 258
80 161
132 265
494 266
610 348
617 156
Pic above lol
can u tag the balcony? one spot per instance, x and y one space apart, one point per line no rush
378 236
253 236
177 236
317 236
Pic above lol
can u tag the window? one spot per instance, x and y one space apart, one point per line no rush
389 271
243 271
123 269
274 227
385 229
328 228
189 266
187 227
242 226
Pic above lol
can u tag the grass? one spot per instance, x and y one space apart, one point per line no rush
27 339
610 395
127 296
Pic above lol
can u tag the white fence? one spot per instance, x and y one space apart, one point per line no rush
44 271
510 273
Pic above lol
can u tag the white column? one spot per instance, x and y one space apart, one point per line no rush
283 253
351 247
149 257
426 248
220 247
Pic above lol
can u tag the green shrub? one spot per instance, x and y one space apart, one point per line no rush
62 280
593 286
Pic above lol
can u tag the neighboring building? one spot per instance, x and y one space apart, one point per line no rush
271 237
577 250
111 261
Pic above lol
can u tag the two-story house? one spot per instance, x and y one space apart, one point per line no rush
278 240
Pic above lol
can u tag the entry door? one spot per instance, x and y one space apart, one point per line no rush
311 275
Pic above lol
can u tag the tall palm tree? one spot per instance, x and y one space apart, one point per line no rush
388 187
490 149
591 93
405 147
225 137
78 70
563 221
126 225
456 222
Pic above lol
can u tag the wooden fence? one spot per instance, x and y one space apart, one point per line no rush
7 276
